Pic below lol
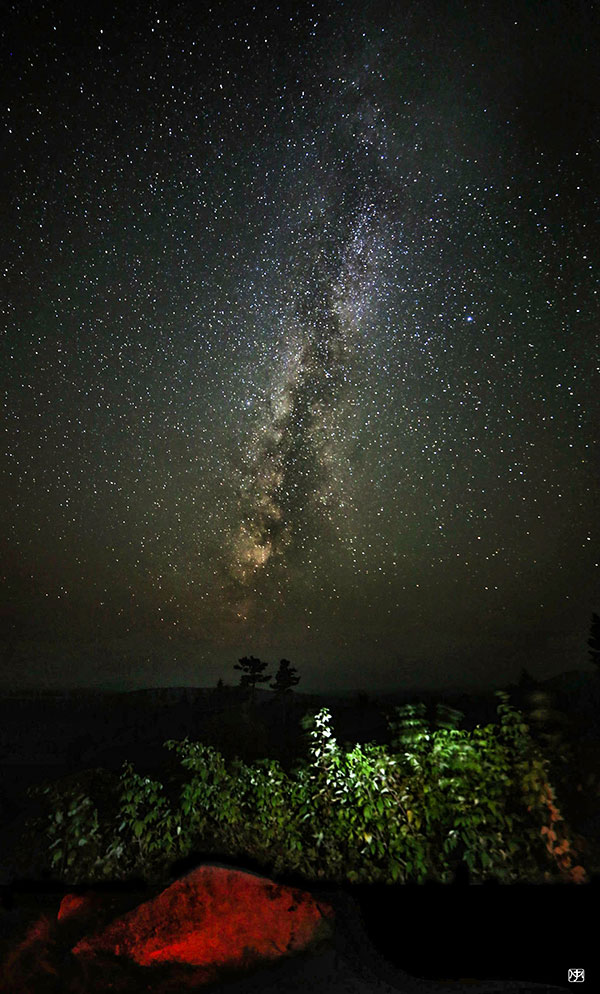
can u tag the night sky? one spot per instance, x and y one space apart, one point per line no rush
300 345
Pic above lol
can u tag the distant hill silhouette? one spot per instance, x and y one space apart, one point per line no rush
75 729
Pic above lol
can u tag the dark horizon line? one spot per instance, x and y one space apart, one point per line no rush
322 692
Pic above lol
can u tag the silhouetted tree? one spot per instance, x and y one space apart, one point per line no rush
252 672
220 684
285 678
594 639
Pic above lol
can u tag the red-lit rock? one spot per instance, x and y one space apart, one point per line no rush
27 955
213 918
77 906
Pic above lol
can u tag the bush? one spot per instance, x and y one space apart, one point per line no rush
67 828
437 797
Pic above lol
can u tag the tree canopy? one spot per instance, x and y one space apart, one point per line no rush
252 672
594 639
285 678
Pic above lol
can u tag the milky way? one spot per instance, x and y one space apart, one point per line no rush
297 475
301 328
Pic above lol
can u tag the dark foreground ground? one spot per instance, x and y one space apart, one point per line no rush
405 939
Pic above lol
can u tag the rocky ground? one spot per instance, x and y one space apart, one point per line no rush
217 928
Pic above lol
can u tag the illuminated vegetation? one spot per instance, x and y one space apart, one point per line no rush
434 799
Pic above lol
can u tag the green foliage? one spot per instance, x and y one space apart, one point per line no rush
438 796
248 809
73 826
465 794
69 827
147 824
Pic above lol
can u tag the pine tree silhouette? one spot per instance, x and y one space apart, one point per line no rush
594 639
285 678
252 673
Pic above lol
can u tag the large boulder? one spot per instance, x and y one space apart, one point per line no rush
212 918
219 926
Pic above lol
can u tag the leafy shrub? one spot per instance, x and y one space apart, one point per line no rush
437 797
68 825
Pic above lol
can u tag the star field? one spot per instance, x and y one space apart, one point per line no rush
300 347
